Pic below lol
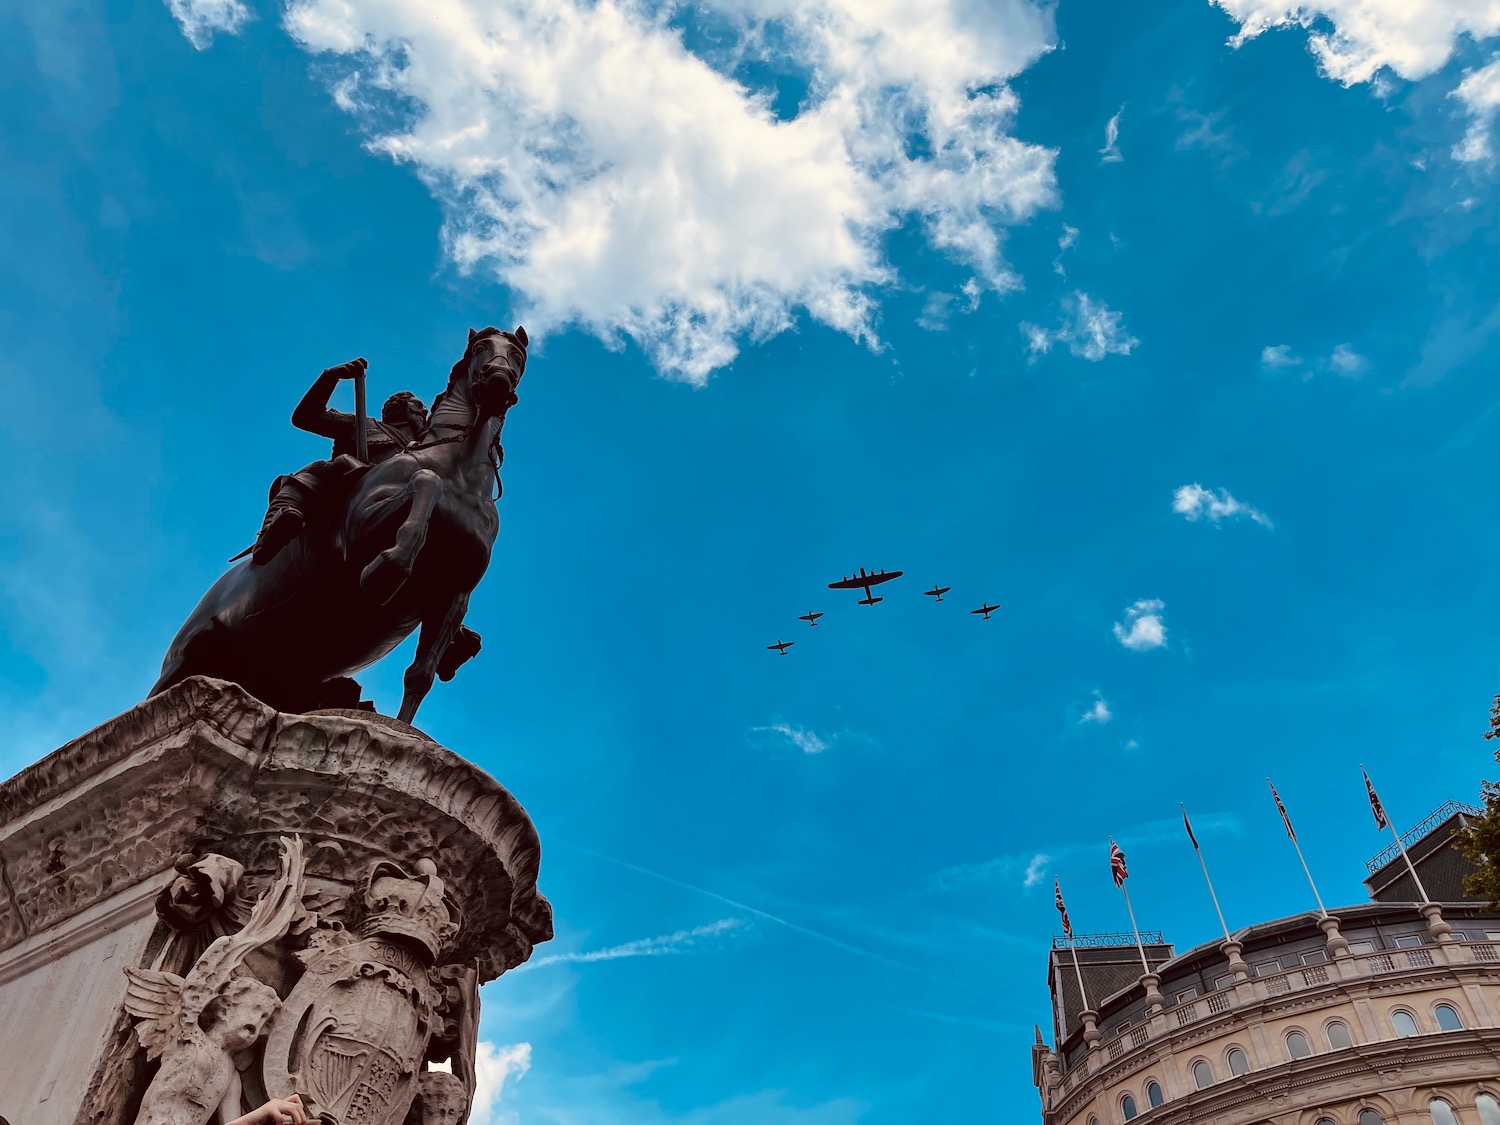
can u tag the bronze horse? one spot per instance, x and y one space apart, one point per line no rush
404 550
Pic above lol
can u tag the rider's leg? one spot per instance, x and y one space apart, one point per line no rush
285 518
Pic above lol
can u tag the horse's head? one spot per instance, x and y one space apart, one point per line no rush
495 362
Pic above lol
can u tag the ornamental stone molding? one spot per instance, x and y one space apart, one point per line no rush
143 846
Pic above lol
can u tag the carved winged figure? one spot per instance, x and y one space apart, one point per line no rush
197 1024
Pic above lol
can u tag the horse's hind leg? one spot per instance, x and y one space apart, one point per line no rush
437 633
388 571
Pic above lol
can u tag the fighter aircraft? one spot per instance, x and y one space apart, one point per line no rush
810 617
985 609
781 646
863 581
937 592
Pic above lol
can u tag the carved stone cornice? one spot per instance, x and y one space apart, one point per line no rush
206 767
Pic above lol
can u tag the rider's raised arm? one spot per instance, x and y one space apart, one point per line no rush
313 413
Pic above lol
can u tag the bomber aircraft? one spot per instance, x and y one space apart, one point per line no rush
863 581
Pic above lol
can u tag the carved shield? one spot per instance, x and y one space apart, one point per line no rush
352 1034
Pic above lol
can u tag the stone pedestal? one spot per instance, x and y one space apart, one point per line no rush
169 830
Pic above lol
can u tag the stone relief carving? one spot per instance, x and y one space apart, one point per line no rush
197 1025
203 895
441 1100
355 1031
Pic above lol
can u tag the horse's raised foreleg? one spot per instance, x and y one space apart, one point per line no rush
388 571
437 634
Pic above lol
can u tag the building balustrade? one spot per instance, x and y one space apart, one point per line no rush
1266 989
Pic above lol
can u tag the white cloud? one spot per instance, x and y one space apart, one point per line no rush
1414 38
1064 244
613 179
201 19
1279 355
1480 94
494 1066
1006 868
1143 628
679 942
1036 870
1091 329
1098 711
1110 153
1194 502
1346 362
937 310
808 741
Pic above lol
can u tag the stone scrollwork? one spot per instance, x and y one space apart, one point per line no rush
197 1025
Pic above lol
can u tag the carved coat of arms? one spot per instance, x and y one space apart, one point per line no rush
352 1036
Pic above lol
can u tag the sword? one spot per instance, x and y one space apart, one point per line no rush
361 440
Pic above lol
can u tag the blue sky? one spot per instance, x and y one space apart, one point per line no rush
1182 350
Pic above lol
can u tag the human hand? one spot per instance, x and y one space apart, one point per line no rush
277 1111
351 370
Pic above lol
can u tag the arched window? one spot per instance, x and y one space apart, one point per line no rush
1127 1107
1238 1063
1203 1074
1441 1112
1447 1018
1093 1121
1326 1121
1489 1109
1297 1045
1154 1094
1338 1036
1405 1023
1370 1117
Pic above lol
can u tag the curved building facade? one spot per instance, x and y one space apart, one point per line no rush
1380 1014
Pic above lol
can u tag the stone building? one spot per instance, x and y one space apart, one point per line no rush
1386 1013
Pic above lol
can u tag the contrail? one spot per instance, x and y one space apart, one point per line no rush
644 947
814 934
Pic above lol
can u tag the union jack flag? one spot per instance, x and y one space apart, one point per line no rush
1275 796
1117 864
1063 910
1381 820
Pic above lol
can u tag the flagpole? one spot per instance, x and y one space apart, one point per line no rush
1083 995
1067 926
1322 910
1201 863
1415 878
1141 949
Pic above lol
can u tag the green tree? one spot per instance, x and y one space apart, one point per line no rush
1480 841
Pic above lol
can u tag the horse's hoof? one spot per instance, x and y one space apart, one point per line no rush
383 578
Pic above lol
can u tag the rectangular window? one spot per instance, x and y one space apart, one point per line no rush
1187 994
1361 947
1315 957
1226 981
1268 968
1492 935
1408 941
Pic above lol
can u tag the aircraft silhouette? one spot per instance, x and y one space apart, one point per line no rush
937 592
985 609
781 646
863 581
810 617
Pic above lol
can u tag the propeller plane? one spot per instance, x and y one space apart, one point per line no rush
810 617
937 592
863 581
985 609
781 646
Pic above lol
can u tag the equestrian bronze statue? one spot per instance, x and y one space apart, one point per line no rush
389 535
